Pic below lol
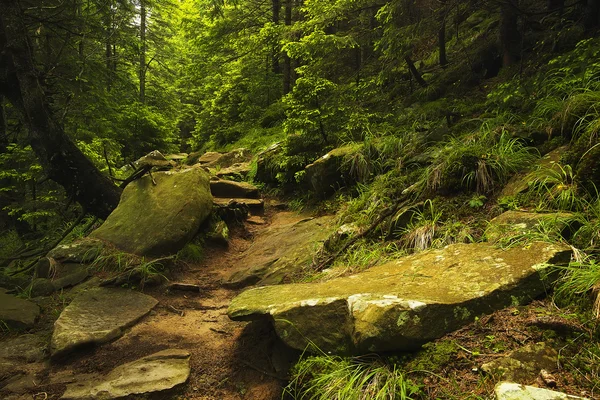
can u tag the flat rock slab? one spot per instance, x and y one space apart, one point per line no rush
160 371
514 391
254 205
280 252
98 316
232 190
28 348
17 313
157 219
404 303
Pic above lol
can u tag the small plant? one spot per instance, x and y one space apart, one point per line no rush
421 230
555 187
477 201
327 377
508 203
578 279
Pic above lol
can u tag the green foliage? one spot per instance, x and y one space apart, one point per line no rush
420 232
329 377
192 252
10 243
577 280
478 162
555 186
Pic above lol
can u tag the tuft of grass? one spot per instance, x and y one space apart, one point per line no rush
577 280
555 187
420 232
327 377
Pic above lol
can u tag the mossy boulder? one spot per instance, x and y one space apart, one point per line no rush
405 303
515 223
157 219
16 313
281 252
231 189
327 174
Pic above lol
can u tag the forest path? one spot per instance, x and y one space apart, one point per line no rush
229 360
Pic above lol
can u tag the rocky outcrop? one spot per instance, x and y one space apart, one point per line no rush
326 174
17 313
98 316
255 206
404 303
154 373
157 219
281 252
514 391
236 172
213 159
515 223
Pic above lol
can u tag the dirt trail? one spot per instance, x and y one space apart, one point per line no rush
230 360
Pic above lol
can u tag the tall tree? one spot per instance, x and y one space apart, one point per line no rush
59 156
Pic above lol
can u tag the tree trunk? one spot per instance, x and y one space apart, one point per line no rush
509 32
60 158
142 51
442 44
414 72
287 62
3 127
107 44
275 52
592 14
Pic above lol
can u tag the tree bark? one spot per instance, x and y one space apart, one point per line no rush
287 62
275 53
413 70
509 32
59 156
3 127
592 14
142 51
442 44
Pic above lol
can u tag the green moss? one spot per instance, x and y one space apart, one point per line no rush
433 357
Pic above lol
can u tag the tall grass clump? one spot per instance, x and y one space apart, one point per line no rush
555 187
479 162
327 377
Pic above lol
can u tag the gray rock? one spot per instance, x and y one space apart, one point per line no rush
326 174
153 220
514 391
17 313
232 190
98 316
83 250
28 348
254 205
158 372
281 252
236 171
404 303
524 364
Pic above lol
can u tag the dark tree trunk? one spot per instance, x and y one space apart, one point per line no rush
275 52
142 51
510 38
555 5
592 14
3 127
60 158
442 44
414 72
287 62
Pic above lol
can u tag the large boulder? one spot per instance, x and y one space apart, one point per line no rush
515 223
156 219
213 159
98 316
326 174
154 373
281 252
404 303
16 313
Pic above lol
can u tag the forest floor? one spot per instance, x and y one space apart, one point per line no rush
229 360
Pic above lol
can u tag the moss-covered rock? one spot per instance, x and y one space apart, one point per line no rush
281 252
159 219
404 303
514 223
327 174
